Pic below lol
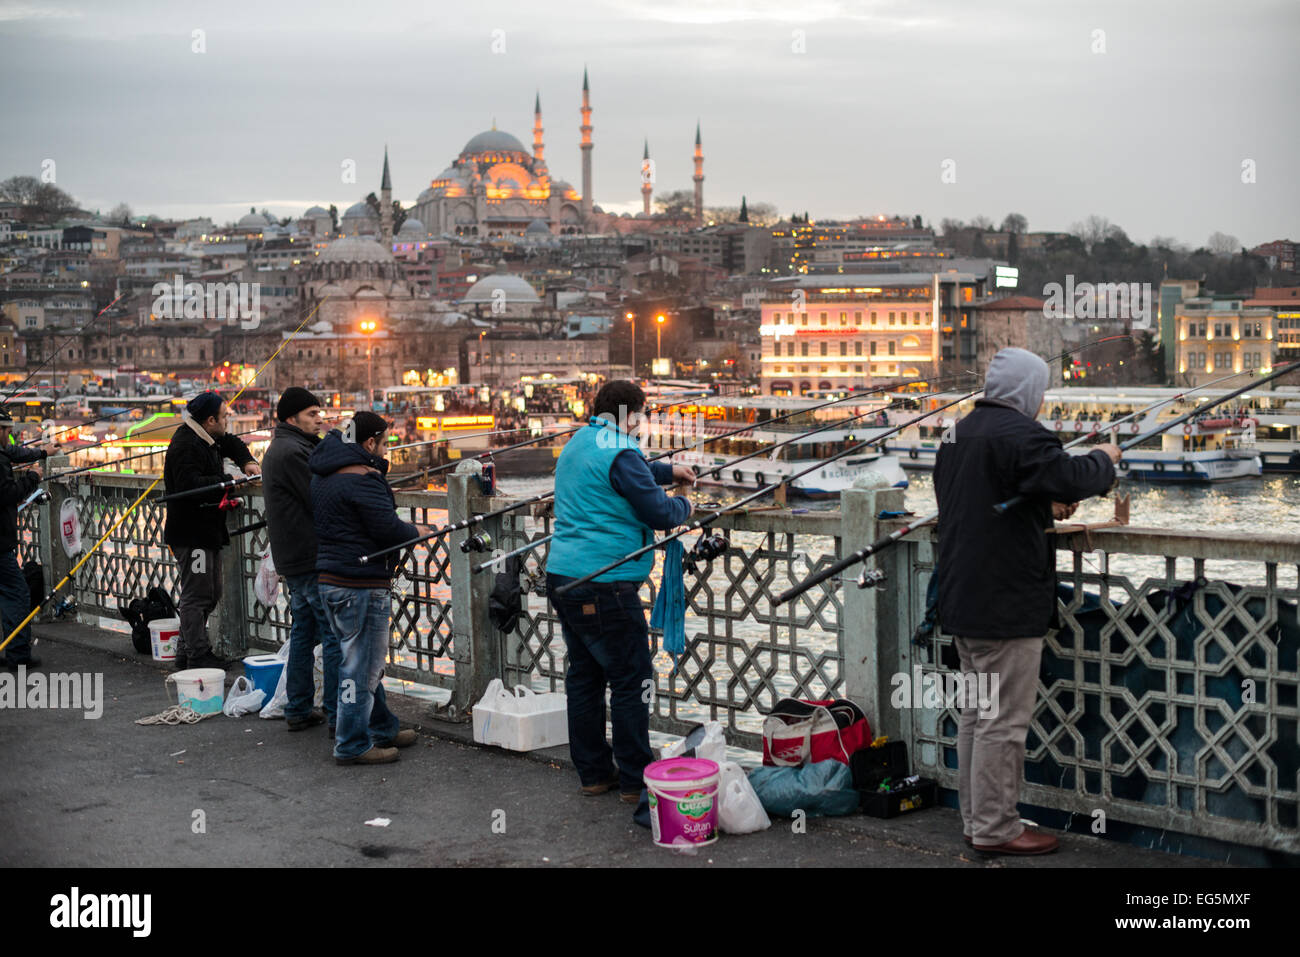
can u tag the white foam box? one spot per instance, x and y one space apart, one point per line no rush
544 725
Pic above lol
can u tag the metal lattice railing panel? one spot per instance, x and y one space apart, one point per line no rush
1166 701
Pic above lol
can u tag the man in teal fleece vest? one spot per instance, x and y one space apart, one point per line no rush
608 502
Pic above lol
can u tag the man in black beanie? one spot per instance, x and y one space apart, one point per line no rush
286 485
196 527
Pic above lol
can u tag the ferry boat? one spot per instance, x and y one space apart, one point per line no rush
720 463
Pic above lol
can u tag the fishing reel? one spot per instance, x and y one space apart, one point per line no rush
872 577
66 607
482 542
709 546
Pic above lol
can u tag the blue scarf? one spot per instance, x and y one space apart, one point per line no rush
669 614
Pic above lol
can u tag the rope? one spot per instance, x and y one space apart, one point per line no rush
176 714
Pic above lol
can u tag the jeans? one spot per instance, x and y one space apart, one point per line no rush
359 618
200 592
605 632
308 629
15 605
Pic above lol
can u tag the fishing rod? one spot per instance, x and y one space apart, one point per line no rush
465 523
1003 507
38 496
218 487
471 435
894 536
425 473
126 458
86 448
716 472
701 523
59 348
152 485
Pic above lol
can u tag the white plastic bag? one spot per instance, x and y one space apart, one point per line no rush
266 586
523 700
711 745
739 810
275 707
242 698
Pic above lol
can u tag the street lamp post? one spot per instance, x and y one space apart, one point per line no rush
368 327
659 337
631 317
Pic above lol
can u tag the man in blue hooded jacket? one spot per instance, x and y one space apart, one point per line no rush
997 581
354 513
608 503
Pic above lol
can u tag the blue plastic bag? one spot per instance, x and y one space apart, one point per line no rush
823 788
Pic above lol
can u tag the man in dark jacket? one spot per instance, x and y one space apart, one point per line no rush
355 514
286 486
997 581
196 527
15 486
608 503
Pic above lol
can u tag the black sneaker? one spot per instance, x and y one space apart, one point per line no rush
208 660
306 721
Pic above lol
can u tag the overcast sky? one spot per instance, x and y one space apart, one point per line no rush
1151 133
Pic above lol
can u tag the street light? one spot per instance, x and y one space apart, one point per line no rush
368 327
659 336
631 317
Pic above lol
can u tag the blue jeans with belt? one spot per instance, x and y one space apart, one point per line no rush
308 629
360 620
605 632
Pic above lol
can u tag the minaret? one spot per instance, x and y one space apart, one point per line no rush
537 128
386 204
699 176
646 185
586 145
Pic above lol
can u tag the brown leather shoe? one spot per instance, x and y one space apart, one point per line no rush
591 790
373 756
1030 842
404 739
628 797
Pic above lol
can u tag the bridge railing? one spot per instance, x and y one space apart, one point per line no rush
1167 698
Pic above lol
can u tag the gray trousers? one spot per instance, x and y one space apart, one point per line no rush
991 749
200 570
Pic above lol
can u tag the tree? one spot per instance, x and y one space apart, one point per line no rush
981 222
334 218
951 226
1092 230
1222 244
120 214
679 204
1013 248
916 222
41 201
1014 223
762 214
744 211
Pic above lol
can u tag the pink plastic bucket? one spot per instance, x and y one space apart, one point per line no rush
683 801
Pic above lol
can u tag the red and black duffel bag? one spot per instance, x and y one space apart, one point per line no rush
799 732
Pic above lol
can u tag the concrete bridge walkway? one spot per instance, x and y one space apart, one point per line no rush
80 792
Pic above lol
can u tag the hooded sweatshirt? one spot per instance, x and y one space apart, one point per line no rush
997 573
354 514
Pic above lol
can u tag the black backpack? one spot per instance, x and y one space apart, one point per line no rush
140 611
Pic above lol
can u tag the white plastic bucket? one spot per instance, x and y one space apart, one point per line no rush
164 633
202 689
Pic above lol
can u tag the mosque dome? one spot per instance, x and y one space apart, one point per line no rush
355 249
491 141
537 228
252 220
516 291
315 211
357 210
412 228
